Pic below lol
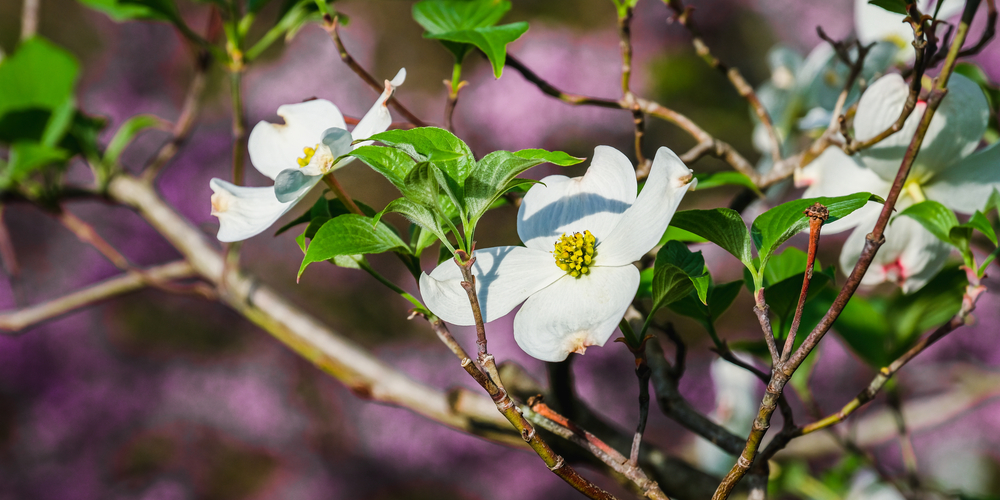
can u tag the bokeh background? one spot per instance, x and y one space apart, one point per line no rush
157 396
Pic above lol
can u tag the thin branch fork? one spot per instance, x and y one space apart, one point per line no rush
185 122
682 15
331 25
873 241
548 419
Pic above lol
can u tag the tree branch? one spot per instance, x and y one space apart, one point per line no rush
13 322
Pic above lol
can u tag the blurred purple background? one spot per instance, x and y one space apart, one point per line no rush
157 396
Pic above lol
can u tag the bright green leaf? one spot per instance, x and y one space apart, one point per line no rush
417 214
707 180
350 234
980 223
26 158
554 157
491 40
774 227
124 10
420 143
676 272
443 16
722 226
38 74
896 6
676 233
490 178
392 163
126 133
935 217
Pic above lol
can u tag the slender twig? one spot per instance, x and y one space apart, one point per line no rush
338 190
15 321
989 31
331 24
761 310
454 86
239 126
29 18
682 15
628 98
873 241
905 443
818 214
185 122
551 421
7 253
642 374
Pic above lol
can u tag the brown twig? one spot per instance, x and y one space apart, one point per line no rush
551 421
16 321
29 18
628 98
818 214
331 24
7 253
682 15
185 122
761 310
989 31
873 241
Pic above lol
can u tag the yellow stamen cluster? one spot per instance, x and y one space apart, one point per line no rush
575 253
309 152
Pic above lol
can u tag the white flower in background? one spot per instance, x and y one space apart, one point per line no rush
737 398
865 485
946 170
575 273
875 24
296 155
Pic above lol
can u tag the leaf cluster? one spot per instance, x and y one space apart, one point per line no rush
461 25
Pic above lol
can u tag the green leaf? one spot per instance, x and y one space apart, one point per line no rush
720 297
26 158
722 226
554 157
935 217
126 133
774 227
392 163
491 40
38 74
676 233
897 6
421 184
677 271
980 223
325 208
443 16
350 234
124 10
491 178
420 143
708 180
417 214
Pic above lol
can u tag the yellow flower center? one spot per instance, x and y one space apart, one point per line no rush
575 253
309 152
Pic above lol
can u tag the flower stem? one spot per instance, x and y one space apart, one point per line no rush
338 190
364 265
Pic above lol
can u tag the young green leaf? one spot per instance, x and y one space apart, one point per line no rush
722 226
126 133
443 16
491 40
350 234
707 180
980 223
38 74
774 227
554 157
896 6
676 233
26 158
935 217
421 143
392 163
325 208
490 178
676 272
125 10
421 184
417 214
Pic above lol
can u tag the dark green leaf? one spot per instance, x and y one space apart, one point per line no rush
443 16
417 214
720 297
935 217
26 158
897 6
422 184
392 163
124 10
677 272
325 208
722 226
491 40
350 234
676 233
980 223
774 227
37 75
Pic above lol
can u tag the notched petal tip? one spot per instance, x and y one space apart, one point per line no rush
399 78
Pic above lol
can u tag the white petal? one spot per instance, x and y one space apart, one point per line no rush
833 173
505 276
643 224
910 257
967 185
378 119
575 313
244 212
875 24
954 132
274 147
594 202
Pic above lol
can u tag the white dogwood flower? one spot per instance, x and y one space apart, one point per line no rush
575 273
875 24
946 170
296 155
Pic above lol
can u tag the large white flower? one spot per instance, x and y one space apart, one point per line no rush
875 24
945 170
575 273
296 155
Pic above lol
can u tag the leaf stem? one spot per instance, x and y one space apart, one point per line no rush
338 190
